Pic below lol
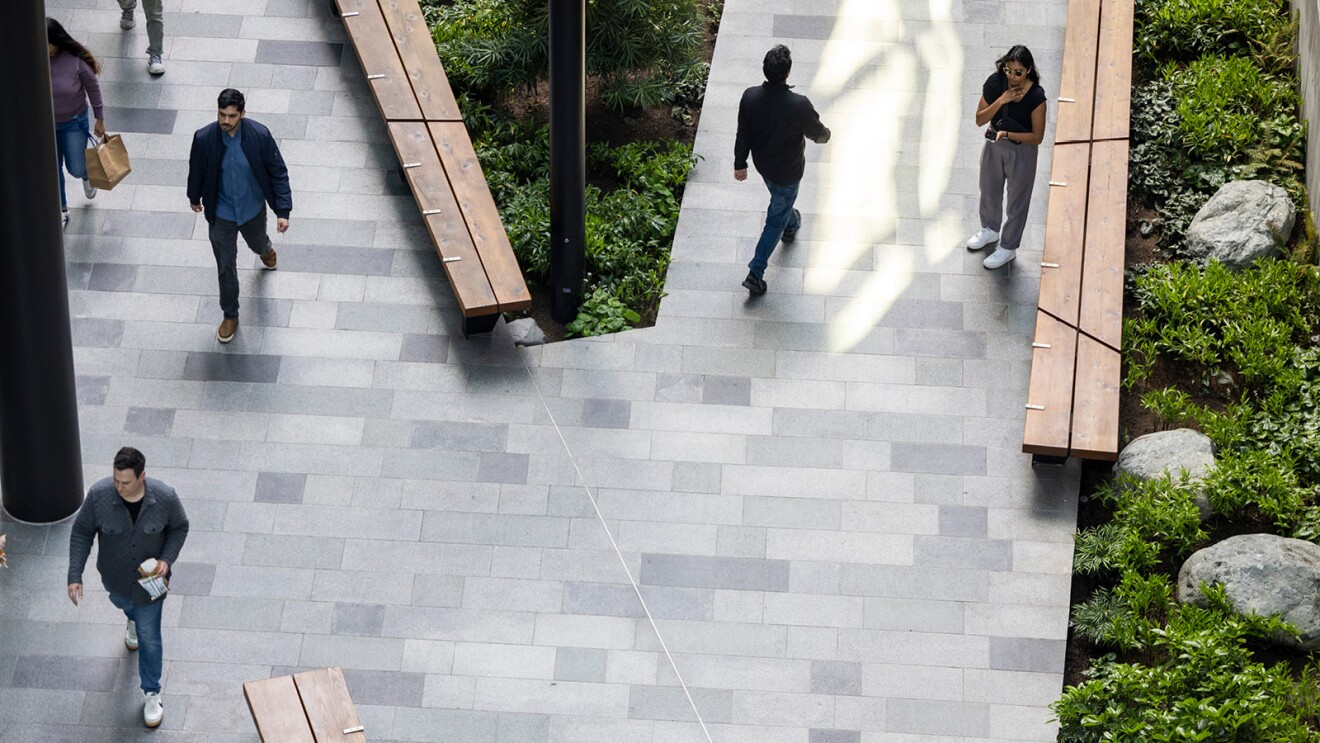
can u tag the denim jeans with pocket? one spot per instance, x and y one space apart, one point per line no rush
71 142
778 218
150 649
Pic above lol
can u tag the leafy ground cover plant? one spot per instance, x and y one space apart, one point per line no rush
1182 30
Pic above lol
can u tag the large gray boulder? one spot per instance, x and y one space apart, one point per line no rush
1243 222
1262 574
1170 452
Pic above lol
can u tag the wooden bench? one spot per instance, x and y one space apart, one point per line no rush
308 707
436 157
1076 365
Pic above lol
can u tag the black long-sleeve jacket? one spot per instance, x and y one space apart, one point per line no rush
773 124
160 531
263 155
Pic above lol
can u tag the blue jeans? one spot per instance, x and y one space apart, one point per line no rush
150 650
71 150
778 218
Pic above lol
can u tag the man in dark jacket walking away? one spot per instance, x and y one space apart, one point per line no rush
234 170
773 124
134 519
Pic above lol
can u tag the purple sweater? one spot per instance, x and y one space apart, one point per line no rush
72 82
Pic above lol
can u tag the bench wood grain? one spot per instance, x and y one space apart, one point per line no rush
1106 234
1046 431
1113 71
416 49
1065 229
277 711
448 228
483 218
1077 78
329 708
386 77
1095 401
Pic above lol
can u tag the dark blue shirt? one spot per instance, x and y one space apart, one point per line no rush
240 194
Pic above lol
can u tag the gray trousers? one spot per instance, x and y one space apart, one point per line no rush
1001 162
224 243
154 10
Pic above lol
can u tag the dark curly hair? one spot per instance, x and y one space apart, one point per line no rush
778 61
1022 56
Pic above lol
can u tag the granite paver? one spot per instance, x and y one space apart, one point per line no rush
819 492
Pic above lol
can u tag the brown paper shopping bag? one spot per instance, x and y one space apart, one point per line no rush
107 163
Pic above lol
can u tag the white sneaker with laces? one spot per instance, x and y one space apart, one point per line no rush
88 189
152 710
155 66
130 636
982 238
998 258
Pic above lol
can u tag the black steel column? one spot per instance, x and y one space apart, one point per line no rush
568 156
40 457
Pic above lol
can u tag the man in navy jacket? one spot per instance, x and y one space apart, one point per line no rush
234 171
773 124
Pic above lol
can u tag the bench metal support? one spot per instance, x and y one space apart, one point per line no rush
479 325
1044 460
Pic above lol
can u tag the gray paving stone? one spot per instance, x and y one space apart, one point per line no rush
460 436
62 672
227 367
192 578
306 53
670 703
1026 654
836 677
501 467
599 413
715 572
726 390
822 735
621 601
938 458
963 521
92 390
280 487
142 120
803 26
112 277
580 664
149 421
364 620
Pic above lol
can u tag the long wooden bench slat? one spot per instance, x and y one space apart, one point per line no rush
1050 392
1077 78
1106 230
1065 228
1113 72
380 60
277 711
483 218
1095 401
448 228
416 48
329 707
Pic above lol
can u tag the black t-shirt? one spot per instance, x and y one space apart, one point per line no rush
134 509
1011 117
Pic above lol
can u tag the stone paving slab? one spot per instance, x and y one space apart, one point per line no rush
820 494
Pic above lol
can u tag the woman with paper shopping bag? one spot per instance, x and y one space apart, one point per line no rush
73 83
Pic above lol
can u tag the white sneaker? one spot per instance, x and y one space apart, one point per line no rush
130 636
999 258
982 239
64 218
88 189
155 66
152 710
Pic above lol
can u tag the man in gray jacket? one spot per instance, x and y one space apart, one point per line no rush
135 519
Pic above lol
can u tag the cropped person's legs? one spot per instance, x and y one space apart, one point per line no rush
224 243
1021 183
777 218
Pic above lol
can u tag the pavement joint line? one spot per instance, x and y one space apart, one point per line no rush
617 552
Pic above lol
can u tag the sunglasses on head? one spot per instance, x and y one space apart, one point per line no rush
1015 73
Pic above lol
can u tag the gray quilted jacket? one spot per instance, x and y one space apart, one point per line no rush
160 531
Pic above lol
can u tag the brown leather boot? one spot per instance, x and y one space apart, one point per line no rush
268 258
225 333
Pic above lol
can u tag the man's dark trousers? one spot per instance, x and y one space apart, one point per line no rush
224 243
778 217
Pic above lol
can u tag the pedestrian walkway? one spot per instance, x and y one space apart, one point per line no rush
820 493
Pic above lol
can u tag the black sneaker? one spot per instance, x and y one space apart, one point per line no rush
791 234
755 285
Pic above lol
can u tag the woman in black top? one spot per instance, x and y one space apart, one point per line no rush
1013 104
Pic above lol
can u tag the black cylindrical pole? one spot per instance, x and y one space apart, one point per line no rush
568 156
40 457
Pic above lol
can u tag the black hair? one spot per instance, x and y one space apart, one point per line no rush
1022 56
129 458
778 61
230 97
60 39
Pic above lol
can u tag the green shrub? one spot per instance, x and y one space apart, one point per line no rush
1227 106
1245 484
1154 521
644 50
1198 682
1126 616
1182 30
601 313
